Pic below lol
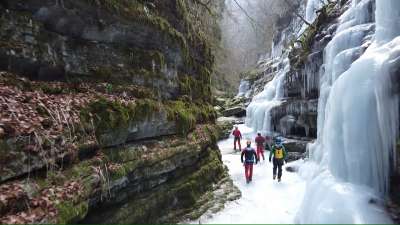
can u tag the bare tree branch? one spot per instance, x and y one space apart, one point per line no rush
298 15
253 21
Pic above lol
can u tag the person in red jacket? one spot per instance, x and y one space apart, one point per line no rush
238 136
260 140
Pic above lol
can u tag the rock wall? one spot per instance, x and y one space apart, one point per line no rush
148 43
80 79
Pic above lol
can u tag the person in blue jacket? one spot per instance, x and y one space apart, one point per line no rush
248 158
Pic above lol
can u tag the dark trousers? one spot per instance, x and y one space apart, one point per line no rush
248 171
278 163
237 139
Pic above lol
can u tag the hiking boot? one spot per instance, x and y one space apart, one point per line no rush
279 179
274 177
247 181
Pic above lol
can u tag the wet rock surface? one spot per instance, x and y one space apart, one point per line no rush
293 145
214 201
296 118
293 156
226 125
235 111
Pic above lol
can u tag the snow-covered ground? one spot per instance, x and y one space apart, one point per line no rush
264 200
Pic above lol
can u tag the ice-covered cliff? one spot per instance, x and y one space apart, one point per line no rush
338 83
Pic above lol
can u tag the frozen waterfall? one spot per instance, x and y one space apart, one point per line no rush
358 121
258 112
244 89
348 170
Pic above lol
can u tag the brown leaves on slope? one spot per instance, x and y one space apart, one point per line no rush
23 111
39 209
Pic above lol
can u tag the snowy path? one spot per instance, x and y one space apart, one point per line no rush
264 200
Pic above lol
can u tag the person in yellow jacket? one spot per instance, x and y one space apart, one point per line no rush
279 153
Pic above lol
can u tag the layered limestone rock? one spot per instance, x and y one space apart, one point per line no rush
101 105
130 184
152 44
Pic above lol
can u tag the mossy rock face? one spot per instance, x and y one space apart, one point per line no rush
14 161
180 193
109 120
150 174
137 42
187 115
68 212
115 122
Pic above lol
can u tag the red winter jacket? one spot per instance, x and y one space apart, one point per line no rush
260 140
237 134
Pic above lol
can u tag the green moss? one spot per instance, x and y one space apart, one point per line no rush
187 114
197 89
127 158
185 191
183 116
185 86
114 116
84 168
199 182
119 173
68 212
192 39
144 108
187 188
109 116
106 115
213 133
137 10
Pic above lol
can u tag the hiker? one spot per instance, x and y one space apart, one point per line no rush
238 136
279 153
268 142
260 146
250 157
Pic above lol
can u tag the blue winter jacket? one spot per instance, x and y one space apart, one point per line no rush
250 156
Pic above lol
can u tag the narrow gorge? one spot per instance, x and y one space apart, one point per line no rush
122 111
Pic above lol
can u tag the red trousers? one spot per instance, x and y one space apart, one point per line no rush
237 139
260 151
248 171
